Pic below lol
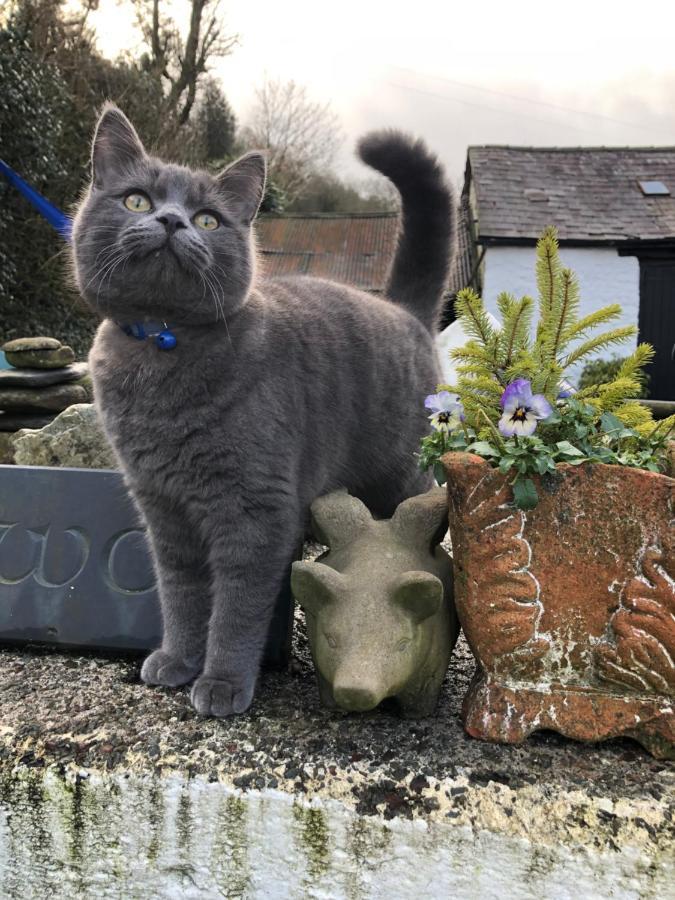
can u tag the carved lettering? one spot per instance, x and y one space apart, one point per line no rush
112 556
73 559
5 530
68 552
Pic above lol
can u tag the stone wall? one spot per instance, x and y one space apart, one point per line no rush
111 836
111 789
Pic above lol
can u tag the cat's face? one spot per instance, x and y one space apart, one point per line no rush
160 242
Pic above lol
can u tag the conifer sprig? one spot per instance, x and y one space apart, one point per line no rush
506 379
562 338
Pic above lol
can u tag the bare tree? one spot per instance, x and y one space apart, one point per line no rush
300 135
182 61
58 34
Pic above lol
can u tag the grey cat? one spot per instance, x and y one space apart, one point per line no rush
277 390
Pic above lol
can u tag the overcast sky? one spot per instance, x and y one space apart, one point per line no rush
600 73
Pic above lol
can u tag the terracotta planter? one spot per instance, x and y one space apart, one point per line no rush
569 608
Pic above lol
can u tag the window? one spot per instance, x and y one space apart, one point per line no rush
654 188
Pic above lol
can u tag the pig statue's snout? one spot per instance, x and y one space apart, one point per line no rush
356 697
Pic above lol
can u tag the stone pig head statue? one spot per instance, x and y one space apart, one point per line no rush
380 616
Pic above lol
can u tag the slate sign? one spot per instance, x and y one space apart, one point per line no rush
74 562
75 568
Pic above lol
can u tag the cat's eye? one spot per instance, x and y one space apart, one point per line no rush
206 220
403 645
137 203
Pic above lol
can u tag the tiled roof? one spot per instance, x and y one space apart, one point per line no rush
589 194
464 262
353 249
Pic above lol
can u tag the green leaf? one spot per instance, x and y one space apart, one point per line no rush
568 449
609 423
439 473
505 464
457 441
525 493
517 449
543 464
553 419
482 448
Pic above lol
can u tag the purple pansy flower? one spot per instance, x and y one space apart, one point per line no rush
522 409
565 390
446 410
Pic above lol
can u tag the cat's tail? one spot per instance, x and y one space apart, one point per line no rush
420 267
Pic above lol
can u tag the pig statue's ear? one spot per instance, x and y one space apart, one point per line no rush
315 585
423 520
338 518
419 593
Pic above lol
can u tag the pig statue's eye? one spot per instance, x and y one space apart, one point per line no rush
403 644
330 640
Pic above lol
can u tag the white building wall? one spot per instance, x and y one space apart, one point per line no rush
604 277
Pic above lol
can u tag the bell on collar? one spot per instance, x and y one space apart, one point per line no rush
165 340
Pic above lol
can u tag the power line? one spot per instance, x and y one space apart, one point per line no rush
505 112
521 99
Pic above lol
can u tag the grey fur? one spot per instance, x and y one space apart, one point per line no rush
278 391
420 267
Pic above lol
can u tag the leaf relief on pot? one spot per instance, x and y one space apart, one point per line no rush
638 652
502 597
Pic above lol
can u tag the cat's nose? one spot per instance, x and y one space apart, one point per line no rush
172 222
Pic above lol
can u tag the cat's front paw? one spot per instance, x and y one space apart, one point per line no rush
170 671
216 697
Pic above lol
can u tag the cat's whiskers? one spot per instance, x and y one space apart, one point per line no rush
203 296
107 270
221 294
219 303
111 249
224 275
109 263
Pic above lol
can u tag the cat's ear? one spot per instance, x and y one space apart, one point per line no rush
243 185
116 145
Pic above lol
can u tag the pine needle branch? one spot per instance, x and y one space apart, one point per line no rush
567 306
548 268
599 342
516 320
593 320
469 308
633 365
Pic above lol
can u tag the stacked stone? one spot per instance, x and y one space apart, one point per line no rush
43 381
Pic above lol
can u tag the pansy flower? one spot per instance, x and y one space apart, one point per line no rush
565 390
522 409
446 410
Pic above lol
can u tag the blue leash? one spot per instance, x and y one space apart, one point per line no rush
57 219
164 339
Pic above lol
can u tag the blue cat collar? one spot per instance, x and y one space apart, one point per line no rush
164 338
